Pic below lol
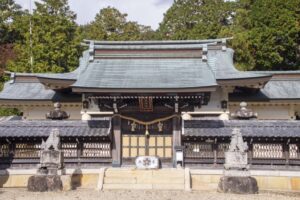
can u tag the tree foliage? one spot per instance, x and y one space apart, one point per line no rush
9 11
55 41
196 19
266 34
111 24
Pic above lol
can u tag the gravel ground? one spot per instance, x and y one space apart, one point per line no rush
87 194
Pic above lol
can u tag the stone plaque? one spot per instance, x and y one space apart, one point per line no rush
147 162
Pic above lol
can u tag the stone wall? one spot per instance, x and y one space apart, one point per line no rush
200 179
85 178
266 179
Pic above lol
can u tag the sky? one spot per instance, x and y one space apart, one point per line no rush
145 12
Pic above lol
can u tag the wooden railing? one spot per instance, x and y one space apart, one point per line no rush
76 151
262 151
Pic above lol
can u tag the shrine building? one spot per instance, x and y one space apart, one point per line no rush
176 100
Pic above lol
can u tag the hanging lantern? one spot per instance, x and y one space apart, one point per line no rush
160 126
147 131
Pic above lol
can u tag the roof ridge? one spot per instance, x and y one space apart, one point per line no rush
161 42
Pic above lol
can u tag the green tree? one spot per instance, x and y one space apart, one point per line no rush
196 19
9 11
111 24
267 34
55 40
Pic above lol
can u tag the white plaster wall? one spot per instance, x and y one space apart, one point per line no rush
268 112
74 112
297 108
214 105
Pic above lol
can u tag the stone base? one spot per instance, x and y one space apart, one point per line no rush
238 185
43 183
237 173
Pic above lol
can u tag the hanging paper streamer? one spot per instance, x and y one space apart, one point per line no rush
146 124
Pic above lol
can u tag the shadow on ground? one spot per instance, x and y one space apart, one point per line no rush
76 179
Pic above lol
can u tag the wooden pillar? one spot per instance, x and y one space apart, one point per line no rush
286 150
79 150
215 150
116 143
250 151
12 151
176 137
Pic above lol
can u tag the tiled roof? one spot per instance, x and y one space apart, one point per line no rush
146 73
36 92
157 42
221 63
42 128
23 91
139 70
249 128
274 89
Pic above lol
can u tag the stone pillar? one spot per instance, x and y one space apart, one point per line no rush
176 137
117 143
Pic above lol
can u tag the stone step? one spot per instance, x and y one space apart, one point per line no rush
162 180
113 186
128 173
142 180
129 179
120 180
154 173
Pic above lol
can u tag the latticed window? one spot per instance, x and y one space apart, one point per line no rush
222 148
69 149
27 150
86 149
198 150
96 150
294 151
4 150
263 150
